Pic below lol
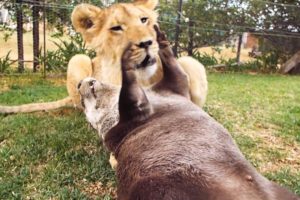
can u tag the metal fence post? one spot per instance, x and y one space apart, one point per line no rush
20 36
35 34
175 48
44 34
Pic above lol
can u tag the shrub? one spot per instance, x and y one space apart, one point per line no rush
205 59
269 62
58 60
5 63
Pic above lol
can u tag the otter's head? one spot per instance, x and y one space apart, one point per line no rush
88 87
109 31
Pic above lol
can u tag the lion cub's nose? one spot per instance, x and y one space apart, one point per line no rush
145 44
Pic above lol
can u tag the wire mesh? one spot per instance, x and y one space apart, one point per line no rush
49 40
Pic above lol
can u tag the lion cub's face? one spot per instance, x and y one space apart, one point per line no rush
110 30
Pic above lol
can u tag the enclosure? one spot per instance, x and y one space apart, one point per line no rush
237 35
245 46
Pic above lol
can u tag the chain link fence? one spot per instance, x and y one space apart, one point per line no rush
37 36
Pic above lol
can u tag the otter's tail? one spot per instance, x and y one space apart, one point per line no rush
32 107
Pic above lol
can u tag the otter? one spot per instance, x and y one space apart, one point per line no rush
169 148
100 103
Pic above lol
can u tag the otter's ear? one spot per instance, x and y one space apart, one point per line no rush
150 4
84 16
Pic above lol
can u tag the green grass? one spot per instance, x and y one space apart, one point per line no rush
44 91
57 155
47 154
262 112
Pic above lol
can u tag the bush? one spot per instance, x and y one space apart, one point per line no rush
266 63
58 60
269 62
253 66
205 59
5 63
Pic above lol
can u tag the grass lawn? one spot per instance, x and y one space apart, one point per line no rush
57 155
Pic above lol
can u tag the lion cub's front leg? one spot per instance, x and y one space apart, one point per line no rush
79 67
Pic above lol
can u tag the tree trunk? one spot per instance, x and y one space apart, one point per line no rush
20 36
44 35
35 33
238 54
177 32
292 66
191 38
191 33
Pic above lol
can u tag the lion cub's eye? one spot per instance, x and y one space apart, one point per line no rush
116 28
144 19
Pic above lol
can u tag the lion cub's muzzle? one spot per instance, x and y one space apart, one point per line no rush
148 61
145 44
149 58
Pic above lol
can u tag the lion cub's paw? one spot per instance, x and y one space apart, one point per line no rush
112 161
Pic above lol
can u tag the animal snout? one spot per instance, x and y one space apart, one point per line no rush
79 84
145 44
91 82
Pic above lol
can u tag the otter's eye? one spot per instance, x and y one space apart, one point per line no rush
116 28
91 83
144 19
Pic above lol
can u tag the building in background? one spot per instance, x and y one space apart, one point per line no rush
4 15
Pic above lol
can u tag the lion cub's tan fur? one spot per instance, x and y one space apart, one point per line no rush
96 26
109 44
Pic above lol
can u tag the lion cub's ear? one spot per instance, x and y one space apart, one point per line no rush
150 4
84 16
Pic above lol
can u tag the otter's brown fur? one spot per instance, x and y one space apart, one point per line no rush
169 149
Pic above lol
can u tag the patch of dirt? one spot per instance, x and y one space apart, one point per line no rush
40 167
60 81
227 53
90 149
31 189
291 160
4 87
3 143
12 45
67 111
95 189
268 141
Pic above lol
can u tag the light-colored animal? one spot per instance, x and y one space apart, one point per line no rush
108 31
100 103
